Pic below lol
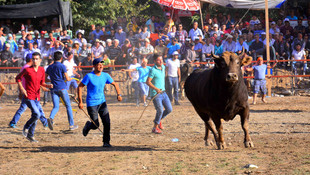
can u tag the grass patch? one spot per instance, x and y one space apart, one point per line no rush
177 168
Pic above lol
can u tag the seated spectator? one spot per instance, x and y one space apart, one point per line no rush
18 57
247 29
216 31
172 33
133 23
299 28
51 39
6 56
281 49
150 24
181 34
125 47
273 28
229 45
207 49
241 44
198 49
254 21
120 35
86 61
115 52
299 54
13 46
145 34
169 22
68 50
256 48
133 52
23 39
96 34
190 54
271 40
97 50
287 29
132 37
298 40
161 49
35 48
292 15
218 48
249 39
30 50
79 37
147 50
46 53
28 40
76 50
172 47
259 29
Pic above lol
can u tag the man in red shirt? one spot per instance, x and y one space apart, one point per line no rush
35 77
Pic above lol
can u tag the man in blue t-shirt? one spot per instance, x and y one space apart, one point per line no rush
95 99
58 73
259 78
156 81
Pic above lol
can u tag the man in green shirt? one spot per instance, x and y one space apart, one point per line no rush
156 81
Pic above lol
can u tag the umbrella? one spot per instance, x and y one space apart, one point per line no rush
190 5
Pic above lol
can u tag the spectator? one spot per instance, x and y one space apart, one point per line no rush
169 22
134 76
6 56
281 49
256 48
144 35
287 29
215 30
298 40
18 57
172 33
273 28
174 77
198 49
207 49
79 37
72 73
86 61
96 34
23 39
229 45
133 23
97 50
115 52
147 50
190 55
195 31
150 24
241 44
299 54
125 47
11 42
172 47
161 49
254 21
133 52
120 35
30 50
218 48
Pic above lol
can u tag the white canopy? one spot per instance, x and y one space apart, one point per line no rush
246 4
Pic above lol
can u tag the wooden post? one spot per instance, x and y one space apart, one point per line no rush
267 47
201 15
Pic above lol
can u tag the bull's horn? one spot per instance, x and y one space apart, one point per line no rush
243 50
214 56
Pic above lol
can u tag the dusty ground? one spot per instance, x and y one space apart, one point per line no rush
280 131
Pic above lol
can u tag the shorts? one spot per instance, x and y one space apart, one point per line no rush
144 88
260 85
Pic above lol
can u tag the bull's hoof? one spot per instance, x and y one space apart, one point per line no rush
221 146
209 143
249 144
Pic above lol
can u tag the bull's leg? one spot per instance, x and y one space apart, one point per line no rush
182 91
245 126
209 127
219 127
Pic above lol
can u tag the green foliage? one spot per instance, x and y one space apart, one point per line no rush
86 12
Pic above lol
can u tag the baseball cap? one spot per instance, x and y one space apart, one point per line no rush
263 33
286 20
273 22
196 38
10 35
259 58
28 57
119 27
48 43
175 53
36 31
97 40
88 45
215 25
96 61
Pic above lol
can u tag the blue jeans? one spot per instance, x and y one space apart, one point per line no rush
73 82
135 86
22 108
63 94
144 88
162 100
304 65
103 112
173 83
36 113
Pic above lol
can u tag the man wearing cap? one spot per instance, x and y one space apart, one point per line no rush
18 57
273 28
147 50
161 49
23 105
58 74
95 100
173 46
35 77
156 81
217 31
229 45
259 78
173 74
120 35
6 56
287 29
195 31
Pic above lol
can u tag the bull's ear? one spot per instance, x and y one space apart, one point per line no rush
246 61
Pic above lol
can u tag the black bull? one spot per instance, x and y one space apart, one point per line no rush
220 93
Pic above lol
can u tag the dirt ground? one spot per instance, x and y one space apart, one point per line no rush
280 131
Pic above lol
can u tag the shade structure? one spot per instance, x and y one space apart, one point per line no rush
190 5
247 4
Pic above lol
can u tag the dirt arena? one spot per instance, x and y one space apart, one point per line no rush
280 131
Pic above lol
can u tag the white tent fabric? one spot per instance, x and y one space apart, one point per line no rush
246 4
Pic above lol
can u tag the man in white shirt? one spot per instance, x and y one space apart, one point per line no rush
195 31
174 77
134 76
72 72
97 50
207 49
299 54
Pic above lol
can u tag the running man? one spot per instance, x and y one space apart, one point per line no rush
23 106
35 77
95 99
156 81
58 74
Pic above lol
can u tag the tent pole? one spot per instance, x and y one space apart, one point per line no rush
267 46
171 19
60 23
200 15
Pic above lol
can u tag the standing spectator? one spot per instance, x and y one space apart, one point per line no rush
97 50
18 57
2 39
120 35
169 22
195 31
174 77
181 34
259 78
96 103
147 50
156 81
150 24
134 76
35 77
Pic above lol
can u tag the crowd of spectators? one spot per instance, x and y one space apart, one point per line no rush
120 41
